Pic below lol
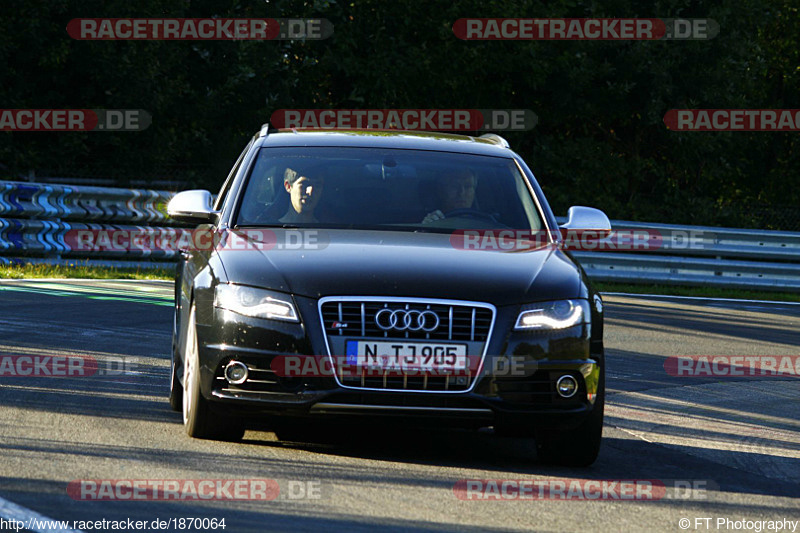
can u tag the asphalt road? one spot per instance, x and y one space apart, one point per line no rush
735 440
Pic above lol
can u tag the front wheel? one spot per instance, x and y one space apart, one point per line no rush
198 418
175 389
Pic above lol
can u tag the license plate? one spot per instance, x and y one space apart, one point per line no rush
410 355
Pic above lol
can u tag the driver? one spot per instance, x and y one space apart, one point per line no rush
305 189
455 190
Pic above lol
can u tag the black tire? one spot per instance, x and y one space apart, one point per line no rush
175 389
577 447
198 418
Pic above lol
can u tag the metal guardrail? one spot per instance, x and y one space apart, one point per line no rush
719 243
632 268
697 255
35 220
34 200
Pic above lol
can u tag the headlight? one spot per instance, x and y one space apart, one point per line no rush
258 303
553 315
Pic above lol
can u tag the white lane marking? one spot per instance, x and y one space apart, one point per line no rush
701 298
12 511
632 434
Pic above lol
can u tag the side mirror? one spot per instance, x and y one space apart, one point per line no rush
192 206
581 218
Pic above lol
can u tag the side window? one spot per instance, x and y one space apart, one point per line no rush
226 187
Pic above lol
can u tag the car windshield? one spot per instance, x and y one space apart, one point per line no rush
365 188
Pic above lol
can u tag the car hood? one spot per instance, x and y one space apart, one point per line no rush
375 263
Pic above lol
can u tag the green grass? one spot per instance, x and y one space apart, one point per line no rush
709 292
30 271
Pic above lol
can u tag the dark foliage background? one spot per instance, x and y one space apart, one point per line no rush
600 140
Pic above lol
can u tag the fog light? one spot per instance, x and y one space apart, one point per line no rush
566 386
236 372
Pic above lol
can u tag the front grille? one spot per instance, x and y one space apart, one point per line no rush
464 323
457 322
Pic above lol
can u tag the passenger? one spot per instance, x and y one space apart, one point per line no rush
305 189
455 190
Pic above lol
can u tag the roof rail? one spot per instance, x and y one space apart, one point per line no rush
496 139
266 129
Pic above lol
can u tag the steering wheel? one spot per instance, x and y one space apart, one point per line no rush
470 213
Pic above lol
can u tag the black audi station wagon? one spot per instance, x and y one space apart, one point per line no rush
402 276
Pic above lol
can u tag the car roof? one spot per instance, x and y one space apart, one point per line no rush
398 139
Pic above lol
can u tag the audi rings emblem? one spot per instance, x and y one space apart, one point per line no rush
407 320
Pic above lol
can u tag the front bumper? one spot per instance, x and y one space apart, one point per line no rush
516 381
